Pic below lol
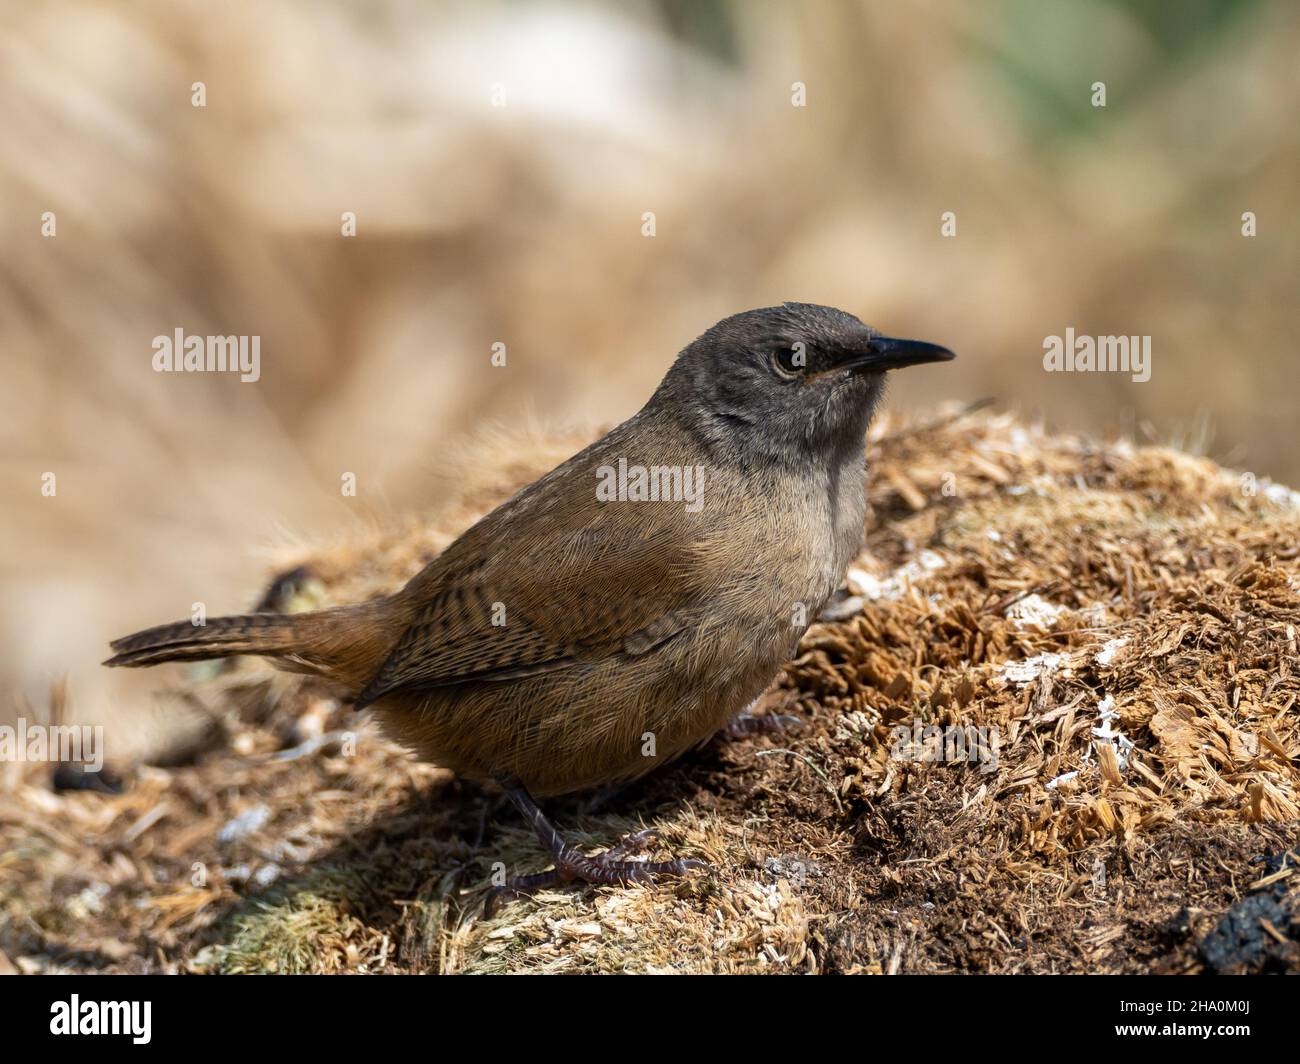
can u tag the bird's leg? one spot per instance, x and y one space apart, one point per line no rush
571 864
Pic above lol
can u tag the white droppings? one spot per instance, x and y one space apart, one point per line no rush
1107 712
267 874
842 610
1109 649
1034 611
893 587
1028 670
245 824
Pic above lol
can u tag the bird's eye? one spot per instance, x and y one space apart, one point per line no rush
789 361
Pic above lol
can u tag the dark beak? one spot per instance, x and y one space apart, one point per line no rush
881 353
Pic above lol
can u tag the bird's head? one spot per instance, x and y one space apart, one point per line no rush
798 379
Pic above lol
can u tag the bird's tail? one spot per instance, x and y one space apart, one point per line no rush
346 644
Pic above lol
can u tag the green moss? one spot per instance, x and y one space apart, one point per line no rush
298 929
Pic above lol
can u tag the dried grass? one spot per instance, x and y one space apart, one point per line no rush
1076 597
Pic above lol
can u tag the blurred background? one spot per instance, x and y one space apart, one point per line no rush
500 159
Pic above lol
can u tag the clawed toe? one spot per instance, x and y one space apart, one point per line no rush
630 844
571 865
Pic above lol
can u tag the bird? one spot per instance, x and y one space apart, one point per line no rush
630 603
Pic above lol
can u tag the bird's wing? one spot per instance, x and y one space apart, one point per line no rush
598 583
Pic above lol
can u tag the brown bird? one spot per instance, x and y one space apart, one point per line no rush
631 602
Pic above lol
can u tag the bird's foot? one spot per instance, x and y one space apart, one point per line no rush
609 868
600 869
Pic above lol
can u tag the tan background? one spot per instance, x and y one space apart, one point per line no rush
522 224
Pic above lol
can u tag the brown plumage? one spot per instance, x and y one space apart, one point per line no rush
569 639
